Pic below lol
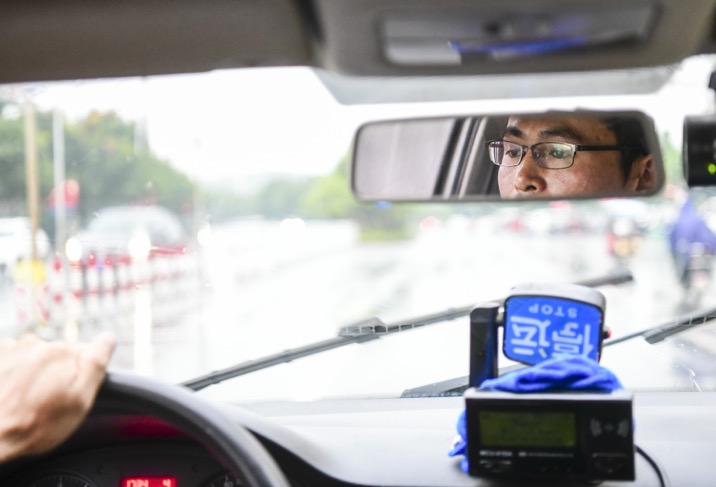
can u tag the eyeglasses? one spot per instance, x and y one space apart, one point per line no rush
550 155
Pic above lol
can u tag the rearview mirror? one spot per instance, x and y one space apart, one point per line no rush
581 154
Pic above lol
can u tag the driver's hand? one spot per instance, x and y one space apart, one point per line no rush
46 389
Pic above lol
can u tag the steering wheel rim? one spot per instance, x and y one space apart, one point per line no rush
239 450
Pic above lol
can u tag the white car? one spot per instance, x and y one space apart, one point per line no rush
16 243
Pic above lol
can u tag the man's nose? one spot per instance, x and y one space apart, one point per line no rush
530 176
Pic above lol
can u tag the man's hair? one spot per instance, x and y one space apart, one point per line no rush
630 134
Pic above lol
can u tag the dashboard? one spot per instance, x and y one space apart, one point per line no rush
133 450
154 464
345 442
124 451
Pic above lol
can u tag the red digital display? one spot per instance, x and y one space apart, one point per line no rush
149 482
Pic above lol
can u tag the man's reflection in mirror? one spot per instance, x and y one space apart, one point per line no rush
548 156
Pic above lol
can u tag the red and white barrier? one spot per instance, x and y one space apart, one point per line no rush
57 289
92 290
109 284
104 292
32 304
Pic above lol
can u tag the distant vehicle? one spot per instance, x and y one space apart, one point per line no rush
624 237
707 209
693 242
135 231
695 275
16 243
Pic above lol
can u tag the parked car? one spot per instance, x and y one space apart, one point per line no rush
16 243
135 231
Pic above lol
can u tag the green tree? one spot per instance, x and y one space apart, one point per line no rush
325 197
673 165
282 197
102 157
12 163
330 196
223 203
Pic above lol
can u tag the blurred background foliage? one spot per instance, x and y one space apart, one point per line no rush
110 159
113 165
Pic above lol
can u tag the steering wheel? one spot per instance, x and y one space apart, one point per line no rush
240 451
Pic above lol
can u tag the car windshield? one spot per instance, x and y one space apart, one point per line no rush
254 166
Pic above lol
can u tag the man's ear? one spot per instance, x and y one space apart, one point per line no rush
642 177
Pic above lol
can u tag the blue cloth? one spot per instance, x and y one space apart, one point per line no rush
575 373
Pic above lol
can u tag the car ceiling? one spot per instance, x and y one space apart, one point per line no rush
364 40
73 39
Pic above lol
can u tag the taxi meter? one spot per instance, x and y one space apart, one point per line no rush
570 435
575 435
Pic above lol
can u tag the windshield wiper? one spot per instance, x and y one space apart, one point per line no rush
658 333
278 358
654 334
375 326
362 331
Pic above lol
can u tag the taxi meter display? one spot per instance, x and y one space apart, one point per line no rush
528 428
574 436
553 321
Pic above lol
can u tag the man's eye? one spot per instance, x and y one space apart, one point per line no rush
560 153
513 153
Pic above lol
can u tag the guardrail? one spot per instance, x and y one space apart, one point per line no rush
106 291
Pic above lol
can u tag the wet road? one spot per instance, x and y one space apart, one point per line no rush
244 308
309 300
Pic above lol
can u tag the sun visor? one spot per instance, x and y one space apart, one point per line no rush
452 38
386 38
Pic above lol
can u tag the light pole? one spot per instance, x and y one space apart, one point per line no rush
58 157
31 174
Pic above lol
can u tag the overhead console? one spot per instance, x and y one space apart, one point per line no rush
506 36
